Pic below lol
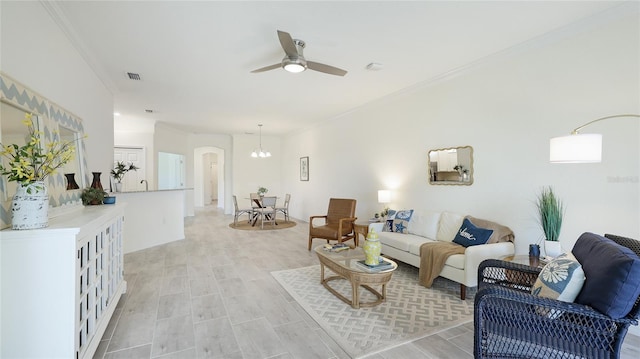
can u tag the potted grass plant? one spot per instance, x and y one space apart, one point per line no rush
550 211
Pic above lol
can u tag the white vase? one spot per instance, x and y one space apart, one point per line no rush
552 248
118 186
30 206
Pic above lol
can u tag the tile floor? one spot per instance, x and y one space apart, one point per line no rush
212 296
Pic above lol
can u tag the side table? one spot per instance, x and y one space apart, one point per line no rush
534 262
362 228
525 279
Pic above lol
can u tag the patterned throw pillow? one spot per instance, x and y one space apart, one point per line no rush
401 221
388 224
470 235
560 279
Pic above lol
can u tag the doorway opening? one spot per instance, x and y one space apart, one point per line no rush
208 167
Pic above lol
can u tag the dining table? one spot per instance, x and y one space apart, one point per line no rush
257 203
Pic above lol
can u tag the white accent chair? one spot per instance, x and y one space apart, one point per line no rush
240 211
285 209
268 211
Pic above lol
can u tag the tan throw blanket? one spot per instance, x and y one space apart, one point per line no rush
433 255
500 232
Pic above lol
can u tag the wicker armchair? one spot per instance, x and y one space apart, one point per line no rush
511 323
338 222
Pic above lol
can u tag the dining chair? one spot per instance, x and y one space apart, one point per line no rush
285 209
238 212
267 211
255 200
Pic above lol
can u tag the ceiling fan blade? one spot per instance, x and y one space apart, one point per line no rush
316 66
267 68
287 44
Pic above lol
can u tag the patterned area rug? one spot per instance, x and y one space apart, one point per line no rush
410 312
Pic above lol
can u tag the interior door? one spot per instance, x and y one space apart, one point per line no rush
134 155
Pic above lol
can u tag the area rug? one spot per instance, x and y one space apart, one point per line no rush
243 225
410 312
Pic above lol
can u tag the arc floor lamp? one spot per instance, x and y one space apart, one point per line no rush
579 148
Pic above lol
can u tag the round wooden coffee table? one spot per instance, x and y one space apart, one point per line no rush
343 264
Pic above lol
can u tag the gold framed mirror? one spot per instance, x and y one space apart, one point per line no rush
451 166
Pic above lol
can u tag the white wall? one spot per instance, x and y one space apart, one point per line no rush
35 52
507 108
250 173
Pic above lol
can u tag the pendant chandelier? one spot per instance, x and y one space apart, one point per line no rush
260 153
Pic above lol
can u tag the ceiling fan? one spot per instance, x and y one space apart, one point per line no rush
294 60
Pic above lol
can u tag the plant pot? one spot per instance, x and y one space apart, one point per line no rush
30 206
118 186
553 248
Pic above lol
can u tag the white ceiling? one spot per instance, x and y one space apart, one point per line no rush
195 58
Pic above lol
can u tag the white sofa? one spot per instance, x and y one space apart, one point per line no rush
425 226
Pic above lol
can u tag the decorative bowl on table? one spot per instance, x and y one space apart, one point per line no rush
109 200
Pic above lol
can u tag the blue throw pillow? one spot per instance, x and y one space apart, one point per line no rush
612 274
470 235
401 221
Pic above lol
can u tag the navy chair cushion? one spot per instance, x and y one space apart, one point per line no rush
612 274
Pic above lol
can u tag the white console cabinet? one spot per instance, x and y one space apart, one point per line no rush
59 285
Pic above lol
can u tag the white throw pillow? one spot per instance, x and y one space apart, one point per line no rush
560 279
424 224
449 225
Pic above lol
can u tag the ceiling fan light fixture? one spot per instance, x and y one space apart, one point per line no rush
294 65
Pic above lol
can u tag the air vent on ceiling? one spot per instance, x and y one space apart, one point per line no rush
148 111
133 76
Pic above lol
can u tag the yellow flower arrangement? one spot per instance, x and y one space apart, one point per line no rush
32 162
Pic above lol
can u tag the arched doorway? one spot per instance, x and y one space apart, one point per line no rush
208 176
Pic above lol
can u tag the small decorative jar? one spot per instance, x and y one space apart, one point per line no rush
534 250
372 248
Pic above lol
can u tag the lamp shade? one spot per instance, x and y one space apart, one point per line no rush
384 196
577 148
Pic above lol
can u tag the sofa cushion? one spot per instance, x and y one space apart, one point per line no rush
612 274
396 240
448 226
415 242
560 279
470 235
401 221
424 224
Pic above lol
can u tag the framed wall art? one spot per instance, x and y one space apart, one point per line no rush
304 168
